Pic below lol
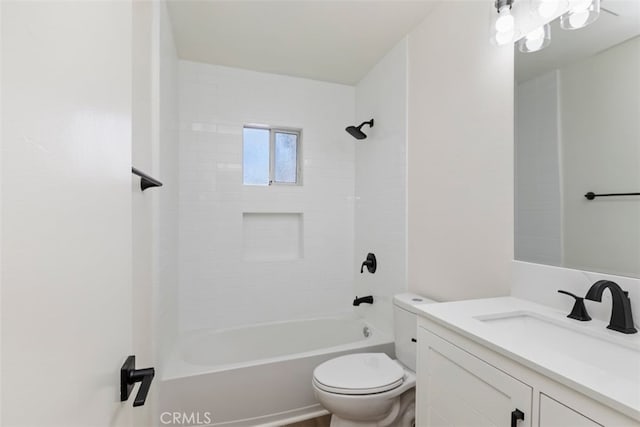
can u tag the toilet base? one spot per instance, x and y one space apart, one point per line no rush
403 414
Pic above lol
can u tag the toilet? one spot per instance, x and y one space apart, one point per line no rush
371 389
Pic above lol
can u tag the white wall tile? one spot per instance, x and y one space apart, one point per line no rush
219 288
380 209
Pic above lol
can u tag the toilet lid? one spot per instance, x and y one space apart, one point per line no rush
362 373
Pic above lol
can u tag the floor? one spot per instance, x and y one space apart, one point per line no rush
315 422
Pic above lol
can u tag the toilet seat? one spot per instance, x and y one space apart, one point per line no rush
359 374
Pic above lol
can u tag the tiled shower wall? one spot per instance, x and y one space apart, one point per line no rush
381 196
225 279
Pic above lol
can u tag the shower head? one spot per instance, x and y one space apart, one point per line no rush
355 131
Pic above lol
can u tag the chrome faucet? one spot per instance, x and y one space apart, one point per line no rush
621 318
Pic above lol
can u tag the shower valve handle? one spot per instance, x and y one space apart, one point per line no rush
371 264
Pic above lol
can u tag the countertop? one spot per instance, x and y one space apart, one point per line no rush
610 383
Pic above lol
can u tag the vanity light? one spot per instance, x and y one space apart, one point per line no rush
504 24
546 8
505 21
582 13
536 40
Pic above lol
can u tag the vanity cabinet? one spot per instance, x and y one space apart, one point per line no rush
555 414
462 390
461 383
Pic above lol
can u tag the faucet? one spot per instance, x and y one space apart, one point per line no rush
368 300
621 318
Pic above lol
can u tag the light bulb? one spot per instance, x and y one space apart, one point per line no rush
547 8
504 23
504 37
582 13
534 44
535 40
578 19
581 5
537 34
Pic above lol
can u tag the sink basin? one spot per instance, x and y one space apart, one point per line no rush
576 344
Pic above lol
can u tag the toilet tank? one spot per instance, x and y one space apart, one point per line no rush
405 325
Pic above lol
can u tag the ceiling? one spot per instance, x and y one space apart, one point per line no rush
335 41
618 21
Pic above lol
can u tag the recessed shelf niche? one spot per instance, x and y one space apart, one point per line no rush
272 236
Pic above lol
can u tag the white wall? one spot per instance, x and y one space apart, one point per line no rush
165 167
600 102
1 262
1 259
538 195
380 184
218 287
460 167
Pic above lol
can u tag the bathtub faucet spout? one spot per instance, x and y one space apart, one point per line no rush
368 300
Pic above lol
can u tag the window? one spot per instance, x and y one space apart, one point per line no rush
270 156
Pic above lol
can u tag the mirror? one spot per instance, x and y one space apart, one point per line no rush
577 130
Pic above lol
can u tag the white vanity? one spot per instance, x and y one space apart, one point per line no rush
510 362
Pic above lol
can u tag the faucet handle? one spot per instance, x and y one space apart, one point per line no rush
371 263
579 311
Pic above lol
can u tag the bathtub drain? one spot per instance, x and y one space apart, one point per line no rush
366 332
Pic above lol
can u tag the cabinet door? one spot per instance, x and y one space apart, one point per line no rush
456 389
555 414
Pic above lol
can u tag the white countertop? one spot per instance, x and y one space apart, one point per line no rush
610 383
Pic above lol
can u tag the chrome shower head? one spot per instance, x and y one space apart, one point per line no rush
356 132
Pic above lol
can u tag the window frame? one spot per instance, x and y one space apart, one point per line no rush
273 130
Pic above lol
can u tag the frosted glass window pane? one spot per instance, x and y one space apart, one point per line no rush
286 158
255 156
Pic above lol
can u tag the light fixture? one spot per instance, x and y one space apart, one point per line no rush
582 13
546 9
504 24
536 40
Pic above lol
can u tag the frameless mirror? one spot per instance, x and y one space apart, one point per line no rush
577 130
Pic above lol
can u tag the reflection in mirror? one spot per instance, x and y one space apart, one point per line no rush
577 130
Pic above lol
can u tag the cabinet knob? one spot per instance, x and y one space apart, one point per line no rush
515 416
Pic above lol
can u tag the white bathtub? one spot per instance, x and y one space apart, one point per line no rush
257 375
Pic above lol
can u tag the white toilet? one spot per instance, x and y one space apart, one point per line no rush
371 389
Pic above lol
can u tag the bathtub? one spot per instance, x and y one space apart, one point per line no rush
257 375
